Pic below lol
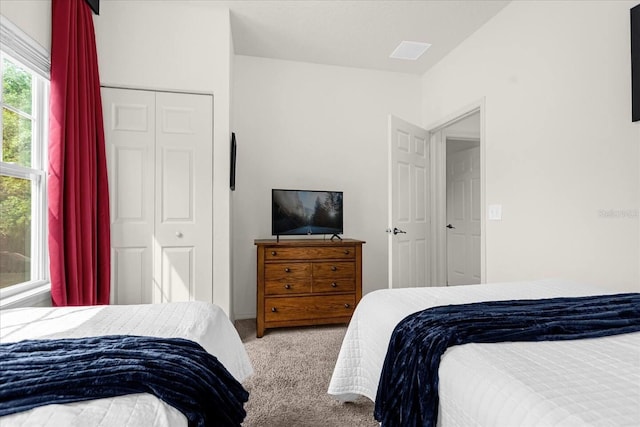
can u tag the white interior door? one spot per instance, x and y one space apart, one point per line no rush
463 217
184 198
129 126
409 204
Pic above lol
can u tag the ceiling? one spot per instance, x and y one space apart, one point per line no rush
355 33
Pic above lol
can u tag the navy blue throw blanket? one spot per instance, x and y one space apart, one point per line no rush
408 388
178 371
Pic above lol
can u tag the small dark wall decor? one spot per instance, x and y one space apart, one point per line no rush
94 5
635 63
232 174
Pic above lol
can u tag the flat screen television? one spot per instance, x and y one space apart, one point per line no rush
300 212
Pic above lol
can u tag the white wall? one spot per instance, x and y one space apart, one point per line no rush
31 16
307 126
181 46
561 150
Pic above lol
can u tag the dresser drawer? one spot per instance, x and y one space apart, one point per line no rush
291 285
333 269
302 308
334 285
287 270
341 252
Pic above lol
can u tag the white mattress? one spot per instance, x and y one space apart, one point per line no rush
204 323
581 382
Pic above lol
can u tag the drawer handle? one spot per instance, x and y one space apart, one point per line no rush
334 285
347 306
287 270
274 253
346 251
273 309
334 268
287 286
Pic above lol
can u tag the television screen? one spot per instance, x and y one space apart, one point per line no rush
297 212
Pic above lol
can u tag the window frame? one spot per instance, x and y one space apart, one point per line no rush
20 49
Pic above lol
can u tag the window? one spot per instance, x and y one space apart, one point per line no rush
24 103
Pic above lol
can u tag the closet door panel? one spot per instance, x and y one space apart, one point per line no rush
177 273
184 197
131 269
129 125
178 196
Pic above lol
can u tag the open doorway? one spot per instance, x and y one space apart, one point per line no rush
430 243
457 195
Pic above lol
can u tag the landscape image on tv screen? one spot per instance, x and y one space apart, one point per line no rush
306 212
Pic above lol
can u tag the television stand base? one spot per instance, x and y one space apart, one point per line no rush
334 236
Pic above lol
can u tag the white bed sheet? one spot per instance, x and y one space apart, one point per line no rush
204 323
581 382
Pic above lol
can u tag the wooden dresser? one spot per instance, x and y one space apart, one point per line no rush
307 282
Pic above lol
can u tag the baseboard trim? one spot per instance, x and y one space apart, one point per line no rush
244 316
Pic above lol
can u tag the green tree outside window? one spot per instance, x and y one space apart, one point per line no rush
15 193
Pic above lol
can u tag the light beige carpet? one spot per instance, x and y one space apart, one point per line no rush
293 367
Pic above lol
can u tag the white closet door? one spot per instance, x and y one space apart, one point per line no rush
184 198
129 126
160 176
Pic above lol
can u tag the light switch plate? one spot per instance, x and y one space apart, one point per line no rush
495 212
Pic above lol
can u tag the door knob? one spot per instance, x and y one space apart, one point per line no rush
449 226
398 231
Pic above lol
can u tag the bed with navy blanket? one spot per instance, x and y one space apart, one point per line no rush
408 388
175 364
551 353
180 372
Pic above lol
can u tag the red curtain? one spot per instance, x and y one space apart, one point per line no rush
78 196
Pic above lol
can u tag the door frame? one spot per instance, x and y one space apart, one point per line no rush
438 191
